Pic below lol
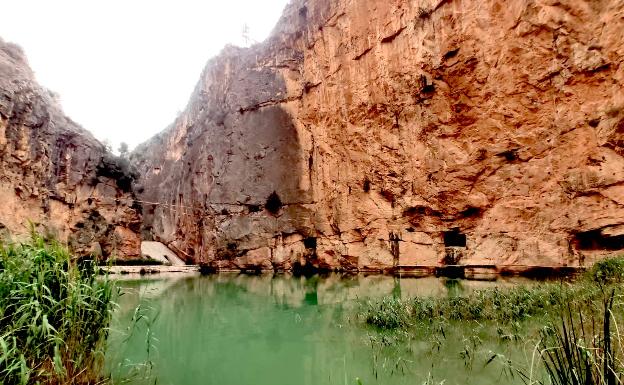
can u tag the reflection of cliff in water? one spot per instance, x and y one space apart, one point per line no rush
290 291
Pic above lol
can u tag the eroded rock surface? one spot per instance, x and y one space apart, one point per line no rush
56 175
370 134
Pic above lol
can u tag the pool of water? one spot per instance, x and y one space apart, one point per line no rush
282 330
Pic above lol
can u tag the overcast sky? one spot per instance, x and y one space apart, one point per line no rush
125 68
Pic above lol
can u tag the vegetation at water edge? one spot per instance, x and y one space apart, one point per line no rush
54 316
575 324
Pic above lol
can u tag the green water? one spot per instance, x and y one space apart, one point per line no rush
281 330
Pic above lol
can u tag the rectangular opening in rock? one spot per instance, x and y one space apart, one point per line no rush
454 238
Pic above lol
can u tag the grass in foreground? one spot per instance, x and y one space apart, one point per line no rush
53 317
583 348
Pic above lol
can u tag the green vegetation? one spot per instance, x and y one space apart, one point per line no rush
54 325
503 305
607 271
496 304
53 316
572 326
583 348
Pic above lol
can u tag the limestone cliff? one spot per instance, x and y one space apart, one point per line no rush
370 134
56 175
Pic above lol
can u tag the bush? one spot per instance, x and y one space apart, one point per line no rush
53 317
608 270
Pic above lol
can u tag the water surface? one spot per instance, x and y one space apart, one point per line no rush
280 330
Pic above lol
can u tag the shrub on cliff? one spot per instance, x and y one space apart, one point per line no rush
53 316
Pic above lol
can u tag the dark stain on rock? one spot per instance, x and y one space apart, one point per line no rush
393 36
273 203
471 212
509 155
594 122
419 211
394 248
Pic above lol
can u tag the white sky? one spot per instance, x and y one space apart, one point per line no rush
125 68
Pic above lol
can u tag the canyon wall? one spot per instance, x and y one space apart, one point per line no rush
373 134
56 176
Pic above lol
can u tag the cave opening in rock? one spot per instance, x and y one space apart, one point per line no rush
367 185
454 238
310 242
426 86
273 203
595 240
471 212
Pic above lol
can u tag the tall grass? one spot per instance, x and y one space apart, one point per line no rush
583 348
495 304
53 316
501 305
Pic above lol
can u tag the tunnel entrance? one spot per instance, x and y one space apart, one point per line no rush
454 238
454 246
596 240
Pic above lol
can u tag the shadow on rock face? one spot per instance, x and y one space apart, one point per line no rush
263 169
262 156
238 180
230 168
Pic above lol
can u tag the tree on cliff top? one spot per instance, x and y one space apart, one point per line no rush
123 149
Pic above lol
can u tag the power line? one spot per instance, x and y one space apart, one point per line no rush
129 201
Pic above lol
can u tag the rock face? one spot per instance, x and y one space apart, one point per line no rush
372 134
56 175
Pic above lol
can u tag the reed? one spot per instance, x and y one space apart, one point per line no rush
54 316
500 305
584 347
572 327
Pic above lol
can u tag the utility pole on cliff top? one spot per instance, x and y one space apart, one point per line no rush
245 34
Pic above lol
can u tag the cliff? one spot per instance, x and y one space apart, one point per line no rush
56 175
370 134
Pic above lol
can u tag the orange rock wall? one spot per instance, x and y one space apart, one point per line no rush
402 133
